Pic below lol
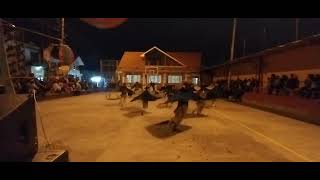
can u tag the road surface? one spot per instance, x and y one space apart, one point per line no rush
93 128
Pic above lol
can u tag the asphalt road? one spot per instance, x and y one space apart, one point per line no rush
93 128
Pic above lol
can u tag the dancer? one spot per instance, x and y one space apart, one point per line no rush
145 96
109 90
168 91
183 96
200 98
212 94
125 92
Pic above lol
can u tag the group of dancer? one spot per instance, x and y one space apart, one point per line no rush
183 94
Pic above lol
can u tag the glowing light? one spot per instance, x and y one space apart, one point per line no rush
96 79
38 68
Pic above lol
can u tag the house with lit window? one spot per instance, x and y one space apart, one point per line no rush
158 66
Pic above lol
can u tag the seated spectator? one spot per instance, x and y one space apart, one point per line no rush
56 87
283 85
85 85
77 89
292 84
277 84
248 85
315 87
305 91
297 82
271 84
252 84
236 93
257 84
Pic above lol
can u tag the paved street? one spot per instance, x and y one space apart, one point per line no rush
93 128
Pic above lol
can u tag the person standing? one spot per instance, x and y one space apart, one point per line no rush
124 94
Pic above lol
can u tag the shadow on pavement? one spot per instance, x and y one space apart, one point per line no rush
136 113
161 130
187 116
130 108
133 111
112 98
164 106
112 104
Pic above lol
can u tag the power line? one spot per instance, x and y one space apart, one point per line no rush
29 30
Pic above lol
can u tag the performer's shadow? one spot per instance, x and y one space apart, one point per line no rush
162 130
111 104
134 111
164 106
187 116
112 98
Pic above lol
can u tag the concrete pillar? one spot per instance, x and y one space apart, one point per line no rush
124 78
164 78
144 81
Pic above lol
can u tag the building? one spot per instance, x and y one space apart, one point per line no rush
157 66
21 58
74 68
33 60
108 68
300 57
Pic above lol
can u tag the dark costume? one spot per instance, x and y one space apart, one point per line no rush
145 96
200 98
125 91
168 91
182 96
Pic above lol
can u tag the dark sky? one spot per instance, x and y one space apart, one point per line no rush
212 36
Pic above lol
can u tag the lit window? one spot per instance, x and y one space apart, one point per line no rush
133 78
195 81
154 79
174 79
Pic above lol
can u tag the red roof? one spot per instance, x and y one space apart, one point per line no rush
132 61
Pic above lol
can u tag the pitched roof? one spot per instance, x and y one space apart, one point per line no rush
78 62
190 59
132 61
154 47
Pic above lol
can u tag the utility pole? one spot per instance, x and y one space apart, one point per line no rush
244 48
232 48
62 31
297 28
264 44
233 38
62 40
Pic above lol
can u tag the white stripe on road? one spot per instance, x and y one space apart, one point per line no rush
266 137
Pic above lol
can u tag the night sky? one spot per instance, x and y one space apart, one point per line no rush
212 36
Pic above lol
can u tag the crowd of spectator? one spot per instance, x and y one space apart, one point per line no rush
54 85
284 85
277 85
